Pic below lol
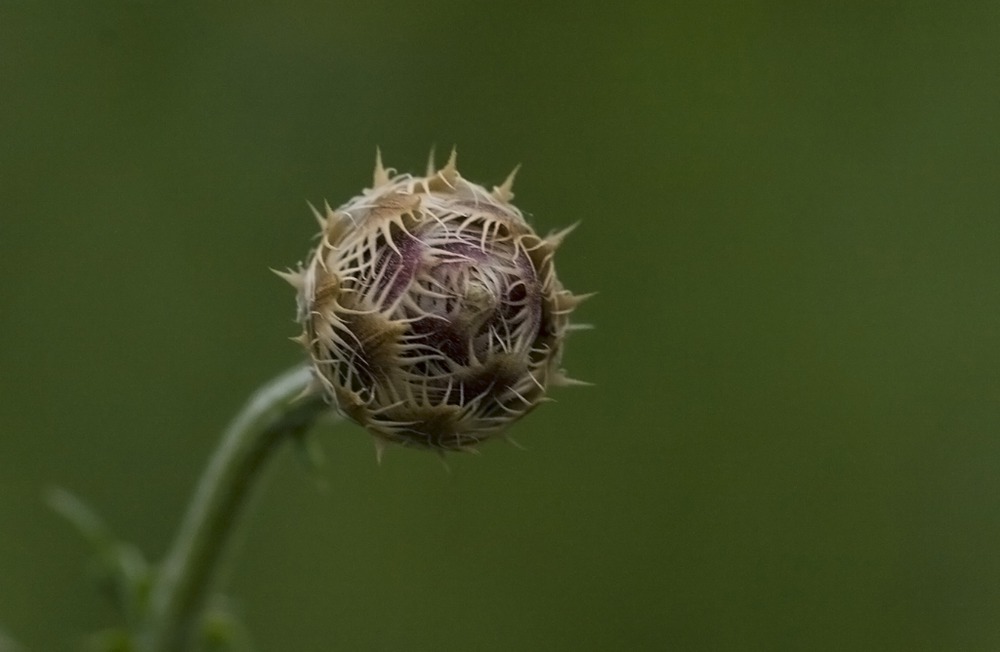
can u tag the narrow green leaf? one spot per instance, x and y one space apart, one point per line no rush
80 515
119 568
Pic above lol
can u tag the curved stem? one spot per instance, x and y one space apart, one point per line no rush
275 412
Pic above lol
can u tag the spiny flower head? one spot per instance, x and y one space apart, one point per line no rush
431 310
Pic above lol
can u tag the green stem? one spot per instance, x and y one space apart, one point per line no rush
270 417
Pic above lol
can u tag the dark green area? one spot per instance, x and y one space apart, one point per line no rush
791 212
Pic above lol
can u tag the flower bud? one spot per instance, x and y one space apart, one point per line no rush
431 310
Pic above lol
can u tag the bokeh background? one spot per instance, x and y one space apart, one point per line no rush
790 211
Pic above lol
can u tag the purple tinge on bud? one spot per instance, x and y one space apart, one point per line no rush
431 310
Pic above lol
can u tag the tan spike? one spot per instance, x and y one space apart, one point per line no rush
381 175
319 216
379 450
430 162
561 379
503 192
513 442
450 170
556 239
314 387
444 460
567 302
294 278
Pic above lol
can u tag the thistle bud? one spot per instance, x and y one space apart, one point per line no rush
431 310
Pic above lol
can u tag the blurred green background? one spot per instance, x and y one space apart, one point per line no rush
790 211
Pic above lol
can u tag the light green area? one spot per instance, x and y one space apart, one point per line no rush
791 213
